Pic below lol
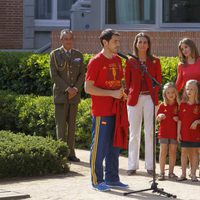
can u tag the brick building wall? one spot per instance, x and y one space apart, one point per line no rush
163 43
11 24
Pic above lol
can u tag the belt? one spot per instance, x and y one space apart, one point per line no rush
145 93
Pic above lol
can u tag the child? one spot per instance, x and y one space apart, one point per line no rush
189 128
167 115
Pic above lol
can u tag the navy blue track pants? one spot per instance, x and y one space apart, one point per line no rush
102 148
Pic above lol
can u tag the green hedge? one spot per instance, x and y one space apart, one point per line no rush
84 124
34 115
169 68
27 73
29 114
22 155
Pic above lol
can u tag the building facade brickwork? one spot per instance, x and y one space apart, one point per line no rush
11 24
163 43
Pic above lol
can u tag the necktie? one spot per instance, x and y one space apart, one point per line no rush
68 53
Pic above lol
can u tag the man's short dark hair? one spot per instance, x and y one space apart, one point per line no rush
107 35
65 31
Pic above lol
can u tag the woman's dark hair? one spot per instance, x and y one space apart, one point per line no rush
193 48
149 55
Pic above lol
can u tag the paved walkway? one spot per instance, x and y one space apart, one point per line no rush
76 185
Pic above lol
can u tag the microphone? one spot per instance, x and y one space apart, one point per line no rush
143 69
122 55
133 56
142 66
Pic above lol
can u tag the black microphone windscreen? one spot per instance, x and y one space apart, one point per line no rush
122 55
133 56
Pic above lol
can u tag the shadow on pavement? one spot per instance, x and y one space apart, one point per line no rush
140 196
43 178
82 163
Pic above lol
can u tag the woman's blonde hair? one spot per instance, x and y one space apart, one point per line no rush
193 48
167 86
197 94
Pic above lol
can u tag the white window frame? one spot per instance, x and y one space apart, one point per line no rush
54 21
174 25
159 25
128 26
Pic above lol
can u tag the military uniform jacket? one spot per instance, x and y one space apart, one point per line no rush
66 71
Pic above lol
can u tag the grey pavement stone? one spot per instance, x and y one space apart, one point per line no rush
76 185
11 195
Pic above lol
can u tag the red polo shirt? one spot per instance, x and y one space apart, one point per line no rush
168 126
187 72
106 74
187 115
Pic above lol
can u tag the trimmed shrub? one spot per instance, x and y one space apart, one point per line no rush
169 68
8 113
25 73
28 73
34 115
22 155
29 114
84 124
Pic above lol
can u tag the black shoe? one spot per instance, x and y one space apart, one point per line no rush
150 172
73 159
131 172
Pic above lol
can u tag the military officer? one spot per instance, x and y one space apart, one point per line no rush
68 73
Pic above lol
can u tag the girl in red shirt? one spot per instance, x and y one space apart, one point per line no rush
189 128
167 115
189 66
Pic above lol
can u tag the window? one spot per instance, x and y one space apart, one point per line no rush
64 8
181 11
130 12
53 9
43 9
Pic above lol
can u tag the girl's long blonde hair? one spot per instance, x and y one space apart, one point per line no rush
197 94
166 86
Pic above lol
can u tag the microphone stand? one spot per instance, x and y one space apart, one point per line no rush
154 184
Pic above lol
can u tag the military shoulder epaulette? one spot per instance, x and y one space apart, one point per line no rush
57 52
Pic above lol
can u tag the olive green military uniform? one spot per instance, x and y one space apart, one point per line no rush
66 71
